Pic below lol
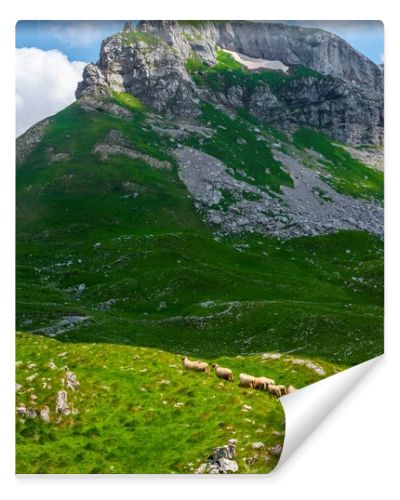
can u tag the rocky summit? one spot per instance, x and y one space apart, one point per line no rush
335 88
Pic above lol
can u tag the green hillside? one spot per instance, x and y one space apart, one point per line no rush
120 246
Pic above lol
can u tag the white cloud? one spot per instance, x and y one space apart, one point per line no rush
45 83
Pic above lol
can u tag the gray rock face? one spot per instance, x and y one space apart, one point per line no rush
89 103
148 61
343 110
148 68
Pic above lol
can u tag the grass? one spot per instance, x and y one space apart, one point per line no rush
228 72
128 101
131 37
137 410
308 294
347 175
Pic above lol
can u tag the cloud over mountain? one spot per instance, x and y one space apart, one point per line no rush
45 83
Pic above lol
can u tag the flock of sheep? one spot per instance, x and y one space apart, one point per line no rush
261 383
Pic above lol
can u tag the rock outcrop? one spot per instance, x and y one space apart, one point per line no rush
115 144
28 141
348 112
61 403
149 61
71 381
309 208
221 461
144 66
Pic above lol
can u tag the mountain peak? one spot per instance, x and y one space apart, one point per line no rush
173 65
128 26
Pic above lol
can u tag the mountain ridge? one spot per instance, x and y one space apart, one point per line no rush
342 94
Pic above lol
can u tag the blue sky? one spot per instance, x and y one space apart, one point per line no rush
80 40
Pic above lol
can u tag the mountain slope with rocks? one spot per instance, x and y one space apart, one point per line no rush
215 191
187 202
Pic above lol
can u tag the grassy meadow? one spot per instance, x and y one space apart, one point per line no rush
137 410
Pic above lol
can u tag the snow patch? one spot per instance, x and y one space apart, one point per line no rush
253 63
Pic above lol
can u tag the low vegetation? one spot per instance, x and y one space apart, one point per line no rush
129 101
121 243
347 174
131 37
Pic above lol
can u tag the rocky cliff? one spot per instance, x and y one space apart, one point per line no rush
341 93
293 45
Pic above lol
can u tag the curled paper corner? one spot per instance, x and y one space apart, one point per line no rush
307 408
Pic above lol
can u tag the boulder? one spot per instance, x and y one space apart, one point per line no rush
71 381
276 450
61 403
221 460
45 414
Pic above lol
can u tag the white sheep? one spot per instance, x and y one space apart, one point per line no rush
224 373
200 366
275 390
283 390
263 383
291 389
247 380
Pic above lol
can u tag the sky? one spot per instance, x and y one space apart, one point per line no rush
51 55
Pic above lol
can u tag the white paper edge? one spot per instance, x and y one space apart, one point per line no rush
307 408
